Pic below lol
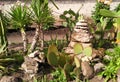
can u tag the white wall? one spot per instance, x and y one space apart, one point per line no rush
88 6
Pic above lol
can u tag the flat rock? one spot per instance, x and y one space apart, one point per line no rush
87 70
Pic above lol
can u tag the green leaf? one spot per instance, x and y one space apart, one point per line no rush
53 48
68 68
109 13
78 48
62 60
77 61
118 37
52 59
87 51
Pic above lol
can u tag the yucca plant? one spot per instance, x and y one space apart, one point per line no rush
41 16
3 37
19 19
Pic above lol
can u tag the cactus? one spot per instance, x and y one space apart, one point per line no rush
67 69
87 51
62 60
53 48
77 61
78 48
52 59
77 72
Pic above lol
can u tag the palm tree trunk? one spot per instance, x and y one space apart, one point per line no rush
25 41
35 39
41 39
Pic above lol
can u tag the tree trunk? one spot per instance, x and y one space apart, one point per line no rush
41 39
35 39
25 41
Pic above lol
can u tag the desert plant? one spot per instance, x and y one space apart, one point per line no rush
20 18
3 37
70 18
41 16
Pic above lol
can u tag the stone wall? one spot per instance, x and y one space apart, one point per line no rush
86 6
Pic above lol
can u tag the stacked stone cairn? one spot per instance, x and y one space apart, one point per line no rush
81 35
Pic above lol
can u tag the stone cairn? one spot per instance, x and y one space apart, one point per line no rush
81 34
31 64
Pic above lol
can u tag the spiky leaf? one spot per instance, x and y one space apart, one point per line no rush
87 51
78 48
52 59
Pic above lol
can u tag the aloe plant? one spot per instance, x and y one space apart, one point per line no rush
3 37
41 16
19 19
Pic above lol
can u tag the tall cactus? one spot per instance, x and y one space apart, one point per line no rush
3 37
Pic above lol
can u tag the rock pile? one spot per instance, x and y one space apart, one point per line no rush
31 63
81 35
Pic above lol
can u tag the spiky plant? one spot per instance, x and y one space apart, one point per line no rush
3 37
41 16
19 19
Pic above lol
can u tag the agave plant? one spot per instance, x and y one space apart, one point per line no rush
41 16
3 37
19 19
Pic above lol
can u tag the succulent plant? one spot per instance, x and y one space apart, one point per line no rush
87 51
52 59
53 48
78 48
62 60
77 61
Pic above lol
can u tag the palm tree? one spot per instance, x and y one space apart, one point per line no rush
19 19
3 37
41 15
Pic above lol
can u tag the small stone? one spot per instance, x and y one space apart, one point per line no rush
81 37
96 79
10 79
98 67
69 50
86 58
87 70
30 65
86 45
33 54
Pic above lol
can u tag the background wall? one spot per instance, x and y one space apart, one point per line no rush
86 5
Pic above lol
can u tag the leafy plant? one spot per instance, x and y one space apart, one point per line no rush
19 19
3 37
41 16
113 64
78 49
116 21
117 8
70 18
96 13
103 25
59 76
